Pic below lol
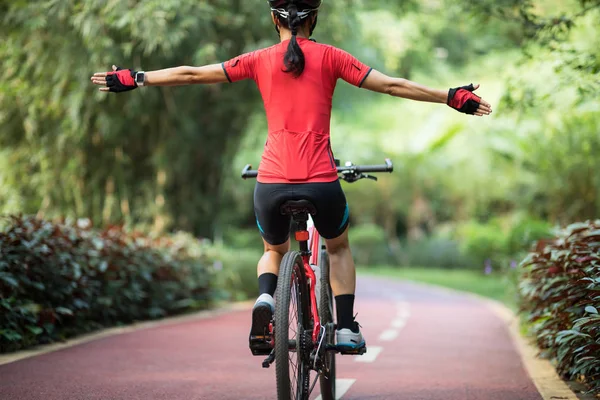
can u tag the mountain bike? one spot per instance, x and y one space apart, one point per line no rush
301 336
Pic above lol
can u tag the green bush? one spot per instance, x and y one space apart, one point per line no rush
369 245
435 252
242 238
237 273
500 241
58 280
560 298
482 242
563 158
524 233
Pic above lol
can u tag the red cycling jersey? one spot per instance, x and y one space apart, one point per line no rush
298 148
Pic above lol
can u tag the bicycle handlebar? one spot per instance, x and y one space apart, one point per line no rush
355 170
248 172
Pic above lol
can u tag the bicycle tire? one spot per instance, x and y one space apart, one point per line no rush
292 289
327 378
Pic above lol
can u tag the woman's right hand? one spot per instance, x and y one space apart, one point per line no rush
463 99
118 80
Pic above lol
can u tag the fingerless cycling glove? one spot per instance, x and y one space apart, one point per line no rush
463 99
121 80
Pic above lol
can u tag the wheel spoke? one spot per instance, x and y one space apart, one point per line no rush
294 372
293 317
294 364
295 368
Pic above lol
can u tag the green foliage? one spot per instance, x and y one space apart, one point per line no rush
434 252
369 245
525 232
484 243
537 18
563 160
500 241
562 33
243 238
58 280
415 36
128 157
237 273
560 299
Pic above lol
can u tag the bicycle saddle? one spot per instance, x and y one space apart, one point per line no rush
293 207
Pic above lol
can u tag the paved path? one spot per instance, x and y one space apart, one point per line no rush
423 345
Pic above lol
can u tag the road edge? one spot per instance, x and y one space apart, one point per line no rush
104 333
542 373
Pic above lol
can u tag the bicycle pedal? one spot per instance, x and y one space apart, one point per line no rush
352 352
260 346
261 352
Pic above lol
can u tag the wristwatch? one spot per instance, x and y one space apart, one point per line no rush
140 77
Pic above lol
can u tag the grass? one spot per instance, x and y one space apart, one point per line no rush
495 286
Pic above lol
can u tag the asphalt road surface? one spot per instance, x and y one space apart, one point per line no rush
423 344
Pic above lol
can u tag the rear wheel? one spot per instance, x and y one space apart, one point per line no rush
327 379
293 335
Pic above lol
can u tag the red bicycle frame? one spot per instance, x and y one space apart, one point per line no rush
312 237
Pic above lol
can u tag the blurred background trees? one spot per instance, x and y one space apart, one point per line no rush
155 158
466 191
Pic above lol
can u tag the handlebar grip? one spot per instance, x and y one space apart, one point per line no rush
248 172
388 167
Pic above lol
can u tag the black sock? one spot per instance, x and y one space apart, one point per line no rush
267 283
344 305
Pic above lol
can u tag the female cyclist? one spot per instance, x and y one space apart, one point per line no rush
296 79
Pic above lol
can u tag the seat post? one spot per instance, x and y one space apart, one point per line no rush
299 210
302 232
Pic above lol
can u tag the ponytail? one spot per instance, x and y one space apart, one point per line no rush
294 57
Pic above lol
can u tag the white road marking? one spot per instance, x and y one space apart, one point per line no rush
402 306
341 387
388 335
370 355
399 323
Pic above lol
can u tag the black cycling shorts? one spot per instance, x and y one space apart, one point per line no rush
331 219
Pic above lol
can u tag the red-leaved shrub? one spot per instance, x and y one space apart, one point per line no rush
560 291
58 280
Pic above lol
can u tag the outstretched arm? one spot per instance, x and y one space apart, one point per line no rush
186 76
164 77
399 87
